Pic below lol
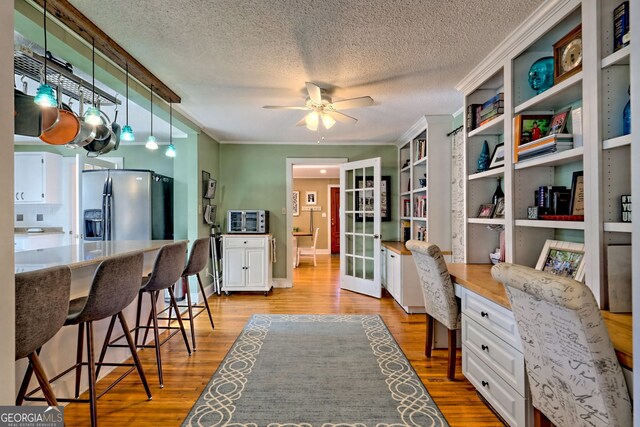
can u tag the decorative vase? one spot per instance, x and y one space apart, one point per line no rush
541 74
626 116
483 160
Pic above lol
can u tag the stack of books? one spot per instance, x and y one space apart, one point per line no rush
421 149
546 145
420 208
480 114
406 207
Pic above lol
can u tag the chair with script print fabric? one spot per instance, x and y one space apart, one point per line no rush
440 299
574 374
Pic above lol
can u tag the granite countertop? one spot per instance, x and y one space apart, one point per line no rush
24 231
77 256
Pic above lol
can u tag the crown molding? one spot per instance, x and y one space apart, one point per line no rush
307 143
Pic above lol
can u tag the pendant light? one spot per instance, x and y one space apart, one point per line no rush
151 141
45 96
127 132
92 116
171 149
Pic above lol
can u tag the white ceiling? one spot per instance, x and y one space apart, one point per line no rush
228 58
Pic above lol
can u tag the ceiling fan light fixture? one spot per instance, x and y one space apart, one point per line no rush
328 121
312 120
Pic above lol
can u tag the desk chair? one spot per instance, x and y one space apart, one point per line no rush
574 374
440 300
308 250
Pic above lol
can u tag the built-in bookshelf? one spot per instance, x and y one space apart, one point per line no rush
424 157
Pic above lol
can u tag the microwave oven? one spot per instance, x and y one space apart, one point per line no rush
247 221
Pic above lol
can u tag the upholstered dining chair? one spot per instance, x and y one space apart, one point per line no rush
574 374
440 301
308 250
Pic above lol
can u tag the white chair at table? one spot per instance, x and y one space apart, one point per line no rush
308 250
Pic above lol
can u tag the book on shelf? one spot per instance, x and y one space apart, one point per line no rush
406 207
496 98
542 152
421 149
621 26
545 196
489 118
471 115
498 105
545 145
420 208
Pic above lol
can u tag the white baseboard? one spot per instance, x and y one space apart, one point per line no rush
282 283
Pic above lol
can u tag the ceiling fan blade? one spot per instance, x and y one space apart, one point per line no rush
314 92
363 101
302 121
341 117
280 107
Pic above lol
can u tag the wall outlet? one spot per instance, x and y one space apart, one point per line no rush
19 217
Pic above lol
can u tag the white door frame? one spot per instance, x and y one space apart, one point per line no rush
289 188
329 187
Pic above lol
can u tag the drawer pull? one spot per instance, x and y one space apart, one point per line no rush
485 384
484 314
485 347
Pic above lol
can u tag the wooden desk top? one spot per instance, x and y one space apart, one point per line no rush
401 249
477 278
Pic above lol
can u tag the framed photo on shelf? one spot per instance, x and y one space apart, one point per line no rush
499 210
563 259
529 127
311 197
497 158
295 205
367 197
486 210
559 122
576 202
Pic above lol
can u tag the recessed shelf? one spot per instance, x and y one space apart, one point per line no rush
618 227
487 221
620 57
494 127
619 141
564 93
487 174
561 158
567 225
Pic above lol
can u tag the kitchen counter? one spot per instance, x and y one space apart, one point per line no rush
24 231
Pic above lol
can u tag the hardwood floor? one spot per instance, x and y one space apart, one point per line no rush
316 290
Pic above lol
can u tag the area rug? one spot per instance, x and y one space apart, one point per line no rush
315 371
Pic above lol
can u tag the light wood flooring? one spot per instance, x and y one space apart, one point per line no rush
316 291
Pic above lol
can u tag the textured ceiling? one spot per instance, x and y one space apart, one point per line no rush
228 58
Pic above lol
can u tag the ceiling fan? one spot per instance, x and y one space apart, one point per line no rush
320 108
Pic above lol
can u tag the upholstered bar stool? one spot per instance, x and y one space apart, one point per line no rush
42 302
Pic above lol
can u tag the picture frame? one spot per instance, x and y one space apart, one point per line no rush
486 210
209 212
295 198
208 185
565 259
385 197
567 55
529 127
311 198
497 158
559 122
576 203
498 212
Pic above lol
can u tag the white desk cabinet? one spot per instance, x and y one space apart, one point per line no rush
37 178
246 263
401 277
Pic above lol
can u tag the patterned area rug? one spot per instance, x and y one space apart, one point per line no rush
315 371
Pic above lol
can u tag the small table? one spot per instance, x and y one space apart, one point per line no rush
295 235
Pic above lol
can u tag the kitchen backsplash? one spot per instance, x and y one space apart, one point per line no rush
40 216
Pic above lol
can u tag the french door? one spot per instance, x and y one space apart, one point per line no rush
360 227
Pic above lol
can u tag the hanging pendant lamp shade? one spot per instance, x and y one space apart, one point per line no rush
151 144
92 115
171 149
45 96
127 132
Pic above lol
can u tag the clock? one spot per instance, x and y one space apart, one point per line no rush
567 55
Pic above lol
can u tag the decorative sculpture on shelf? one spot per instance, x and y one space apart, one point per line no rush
483 160
626 116
541 74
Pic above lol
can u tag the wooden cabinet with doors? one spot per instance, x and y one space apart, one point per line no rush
247 262
37 178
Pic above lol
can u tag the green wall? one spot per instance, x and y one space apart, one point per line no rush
253 176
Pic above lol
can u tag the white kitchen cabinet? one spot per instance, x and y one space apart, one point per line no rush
246 263
401 277
28 242
37 178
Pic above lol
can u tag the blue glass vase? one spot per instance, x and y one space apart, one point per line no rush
541 74
626 116
483 160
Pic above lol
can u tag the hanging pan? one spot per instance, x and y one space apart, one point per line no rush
87 131
104 140
67 127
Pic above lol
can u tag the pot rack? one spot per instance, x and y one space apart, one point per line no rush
30 64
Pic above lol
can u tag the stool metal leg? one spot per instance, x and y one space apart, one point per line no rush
156 335
190 310
92 375
184 333
206 303
25 382
34 361
79 351
134 353
105 345
138 313
146 330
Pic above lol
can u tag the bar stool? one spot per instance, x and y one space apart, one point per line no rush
42 302
167 270
197 262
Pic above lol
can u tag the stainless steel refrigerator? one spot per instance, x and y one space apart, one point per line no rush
127 204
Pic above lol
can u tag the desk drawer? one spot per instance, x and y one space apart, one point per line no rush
504 399
490 315
505 360
245 242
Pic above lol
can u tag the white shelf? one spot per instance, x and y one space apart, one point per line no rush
406 193
418 218
567 225
422 160
406 218
620 141
620 57
557 159
487 174
405 169
562 94
494 127
487 221
618 227
420 190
